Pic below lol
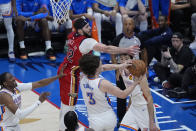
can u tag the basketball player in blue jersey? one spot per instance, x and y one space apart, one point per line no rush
10 100
136 10
94 90
7 7
109 14
34 12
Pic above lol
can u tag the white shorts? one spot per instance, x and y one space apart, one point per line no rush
6 9
53 26
136 117
63 110
14 128
103 122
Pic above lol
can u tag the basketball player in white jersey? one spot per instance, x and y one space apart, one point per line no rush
141 111
94 90
10 100
7 7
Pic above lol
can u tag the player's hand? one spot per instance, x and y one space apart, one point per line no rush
73 94
61 72
44 96
153 127
125 64
133 50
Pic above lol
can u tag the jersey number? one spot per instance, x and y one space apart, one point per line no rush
70 54
91 99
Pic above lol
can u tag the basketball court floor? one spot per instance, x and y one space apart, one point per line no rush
172 114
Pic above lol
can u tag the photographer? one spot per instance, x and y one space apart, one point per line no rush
174 62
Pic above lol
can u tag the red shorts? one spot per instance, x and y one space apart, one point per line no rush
69 84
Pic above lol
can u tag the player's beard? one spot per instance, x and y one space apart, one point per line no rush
87 35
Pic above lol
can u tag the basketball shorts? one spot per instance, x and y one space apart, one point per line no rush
136 117
103 122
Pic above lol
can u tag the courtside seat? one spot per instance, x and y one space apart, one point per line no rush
33 41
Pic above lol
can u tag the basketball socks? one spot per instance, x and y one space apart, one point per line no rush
143 25
48 44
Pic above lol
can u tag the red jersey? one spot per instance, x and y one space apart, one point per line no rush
70 82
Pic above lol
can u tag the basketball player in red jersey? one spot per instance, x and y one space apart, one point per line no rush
80 43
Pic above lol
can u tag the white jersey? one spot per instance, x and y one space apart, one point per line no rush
7 118
96 101
137 96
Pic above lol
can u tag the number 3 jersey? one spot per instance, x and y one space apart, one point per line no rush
95 100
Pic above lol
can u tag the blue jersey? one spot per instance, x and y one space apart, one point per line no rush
4 1
103 7
80 6
27 8
123 3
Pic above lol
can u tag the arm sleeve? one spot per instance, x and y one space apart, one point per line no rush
39 16
19 9
87 45
24 86
21 114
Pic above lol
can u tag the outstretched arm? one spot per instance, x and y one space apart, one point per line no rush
108 67
6 99
108 87
146 90
131 50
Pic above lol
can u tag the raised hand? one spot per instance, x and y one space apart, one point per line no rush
132 50
44 96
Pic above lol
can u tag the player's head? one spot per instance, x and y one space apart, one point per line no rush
90 65
124 57
128 26
7 80
71 121
82 27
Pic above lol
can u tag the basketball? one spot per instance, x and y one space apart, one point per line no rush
138 68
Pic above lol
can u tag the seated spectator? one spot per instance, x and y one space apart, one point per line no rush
7 8
37 15
174 62
155 7
188 83
102 13
81 8
71 122
135 9
153 39
180 13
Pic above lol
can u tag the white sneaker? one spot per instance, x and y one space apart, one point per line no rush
193 45
11 56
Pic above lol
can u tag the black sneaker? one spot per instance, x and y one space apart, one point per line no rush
50 54
23 54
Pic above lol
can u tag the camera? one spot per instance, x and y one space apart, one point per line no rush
164 48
